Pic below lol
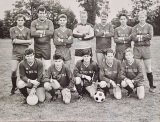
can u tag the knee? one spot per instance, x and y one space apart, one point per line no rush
21 84
103 84
78 80
47 86
123 84
14 74
41 99
118 96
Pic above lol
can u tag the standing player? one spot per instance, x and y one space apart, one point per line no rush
122 37
63 39
84 34
30 71
132 75
42 30
109 75
86 74
142 34
59 76
104 32
20 36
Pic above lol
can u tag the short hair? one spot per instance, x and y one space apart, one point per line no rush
104 13
108 51
123 14
87 52
19 16
28 51
129 50
142 12
83 12
41 8
57 56
62 16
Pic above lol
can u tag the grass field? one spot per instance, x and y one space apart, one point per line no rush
125 110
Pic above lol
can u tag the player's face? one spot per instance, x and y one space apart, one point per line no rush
42 15
86 58
123 20
142 18
103 18
62 21
20 21
30 58
109 57
58 63
129 56
83 18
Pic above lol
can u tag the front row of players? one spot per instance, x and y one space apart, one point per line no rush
87 76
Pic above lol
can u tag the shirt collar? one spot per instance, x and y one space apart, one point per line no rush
130 63
123 27
142 25
20 28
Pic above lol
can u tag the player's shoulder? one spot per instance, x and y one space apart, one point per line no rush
79 62
27 29
66 67
116 61
48 20
89 24
13 28
22 63
109 24
57 29
149 25
117 28
94 63
34 21
138 62
38 61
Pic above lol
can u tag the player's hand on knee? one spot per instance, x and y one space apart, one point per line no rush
129 82
113 83
87 77
35 82
47 86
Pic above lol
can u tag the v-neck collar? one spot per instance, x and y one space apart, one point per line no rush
130 63
21 29
142 25
63 30
57 69
30 64
42 21
123 27
86 65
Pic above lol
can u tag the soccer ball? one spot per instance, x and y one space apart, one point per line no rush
99 96
32 99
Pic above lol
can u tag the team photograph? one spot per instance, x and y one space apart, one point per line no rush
80 60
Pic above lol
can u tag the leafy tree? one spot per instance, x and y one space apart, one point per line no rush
29 9
93 8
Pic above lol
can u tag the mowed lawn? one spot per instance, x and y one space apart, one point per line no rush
125 110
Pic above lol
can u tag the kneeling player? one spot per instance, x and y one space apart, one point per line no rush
30 71
86 74
109 74
132 75
59 77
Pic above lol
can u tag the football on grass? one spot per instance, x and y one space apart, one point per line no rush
99 96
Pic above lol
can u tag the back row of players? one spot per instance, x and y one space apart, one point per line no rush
110 72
